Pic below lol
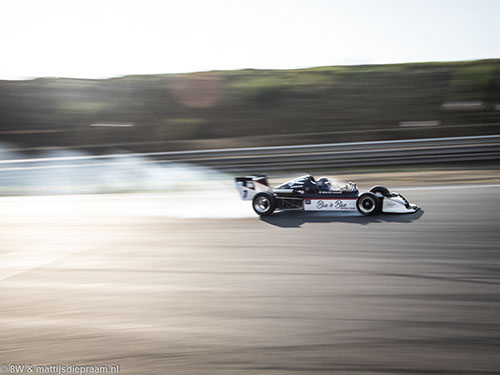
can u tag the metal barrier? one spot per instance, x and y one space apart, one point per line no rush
411 151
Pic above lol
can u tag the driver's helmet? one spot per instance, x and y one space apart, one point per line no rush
324 183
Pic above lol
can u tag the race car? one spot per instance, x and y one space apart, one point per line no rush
305 193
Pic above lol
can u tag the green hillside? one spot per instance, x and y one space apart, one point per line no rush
254 107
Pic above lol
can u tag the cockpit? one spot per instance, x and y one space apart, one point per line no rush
324 184
308 183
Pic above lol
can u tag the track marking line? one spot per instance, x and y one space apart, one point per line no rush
445 187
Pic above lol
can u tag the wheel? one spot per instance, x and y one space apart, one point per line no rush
380 190
264 204
368 203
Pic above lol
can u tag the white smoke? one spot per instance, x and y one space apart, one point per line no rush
132 185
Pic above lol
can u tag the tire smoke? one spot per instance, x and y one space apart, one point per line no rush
126 186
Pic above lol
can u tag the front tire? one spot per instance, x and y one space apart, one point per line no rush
380 190
264 204
368 204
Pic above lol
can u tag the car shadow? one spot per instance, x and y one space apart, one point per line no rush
294 219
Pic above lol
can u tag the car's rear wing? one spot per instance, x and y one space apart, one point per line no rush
248 186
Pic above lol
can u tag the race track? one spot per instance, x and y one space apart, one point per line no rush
292 294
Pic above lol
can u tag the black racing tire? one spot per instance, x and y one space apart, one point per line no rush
380 190
368 204
264 204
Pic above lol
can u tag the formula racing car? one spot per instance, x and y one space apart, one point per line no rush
305 193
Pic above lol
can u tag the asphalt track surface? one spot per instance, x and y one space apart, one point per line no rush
295 293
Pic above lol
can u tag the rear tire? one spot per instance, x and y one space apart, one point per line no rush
368 204
380 190
264 204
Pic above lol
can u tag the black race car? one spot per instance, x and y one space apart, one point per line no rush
305 193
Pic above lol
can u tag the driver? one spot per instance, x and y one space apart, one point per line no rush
324 184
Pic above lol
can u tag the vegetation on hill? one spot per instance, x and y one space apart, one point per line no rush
254 107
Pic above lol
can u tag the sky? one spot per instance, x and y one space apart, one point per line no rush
107 38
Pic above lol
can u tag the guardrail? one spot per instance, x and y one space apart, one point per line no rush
427 150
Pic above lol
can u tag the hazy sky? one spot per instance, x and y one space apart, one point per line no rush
93 39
